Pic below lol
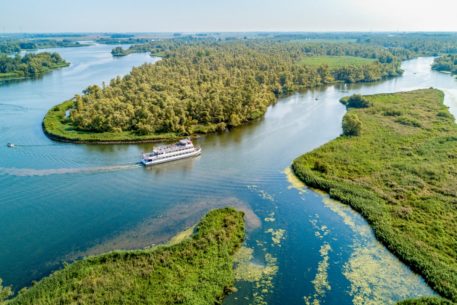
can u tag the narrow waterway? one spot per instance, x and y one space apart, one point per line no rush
61 201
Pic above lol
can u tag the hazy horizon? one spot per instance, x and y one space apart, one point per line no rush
227 16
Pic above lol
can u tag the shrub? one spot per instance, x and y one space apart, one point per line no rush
352 126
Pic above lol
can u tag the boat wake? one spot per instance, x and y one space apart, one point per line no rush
30 172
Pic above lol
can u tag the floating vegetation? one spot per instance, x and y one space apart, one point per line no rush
276 235
247 270
270 217
376 276
263 194
260 275
320 282
295 183
320 231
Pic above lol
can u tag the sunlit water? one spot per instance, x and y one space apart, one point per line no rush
62 201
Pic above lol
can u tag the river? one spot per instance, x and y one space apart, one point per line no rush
61 201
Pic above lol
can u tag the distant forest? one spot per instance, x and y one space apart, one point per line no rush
447 63
15 46
204 85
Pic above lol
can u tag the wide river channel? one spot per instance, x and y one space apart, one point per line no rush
62 201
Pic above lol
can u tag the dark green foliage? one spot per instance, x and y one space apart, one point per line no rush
14 46
355 101
5 292
447 63
408 45
29 65
119 51
205 86
426 301
122 40
401 177
196 271
352 126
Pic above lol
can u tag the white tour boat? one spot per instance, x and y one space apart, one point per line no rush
183 149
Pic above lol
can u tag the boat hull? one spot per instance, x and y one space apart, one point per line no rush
197 152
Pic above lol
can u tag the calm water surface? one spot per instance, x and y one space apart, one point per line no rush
62 201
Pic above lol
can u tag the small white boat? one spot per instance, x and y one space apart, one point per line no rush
183 149
10 145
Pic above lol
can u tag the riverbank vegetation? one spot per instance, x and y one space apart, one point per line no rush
400 173
197 271
29 65
427 301
446 63
207 86
15 46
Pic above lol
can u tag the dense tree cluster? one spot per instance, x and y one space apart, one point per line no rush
30 65
446 63
14 46
417 44
207 86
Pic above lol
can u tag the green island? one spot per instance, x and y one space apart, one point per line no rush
30 65
12 46
195 270
395 164
208 86
445 63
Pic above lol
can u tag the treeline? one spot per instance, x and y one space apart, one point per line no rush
29 65
122 40
415 44
446 63
162 46
207 86
15 46
401 45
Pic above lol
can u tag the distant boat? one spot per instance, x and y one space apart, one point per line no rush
183 149
10 145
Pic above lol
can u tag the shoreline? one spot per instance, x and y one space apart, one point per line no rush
20 78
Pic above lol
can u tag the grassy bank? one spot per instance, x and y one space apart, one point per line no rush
397 167
196 271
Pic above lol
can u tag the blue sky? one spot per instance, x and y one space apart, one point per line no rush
226 15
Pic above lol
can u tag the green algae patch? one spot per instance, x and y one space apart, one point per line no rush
320 282
400 173
294 182
276 235
197 270
259 274
249 271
